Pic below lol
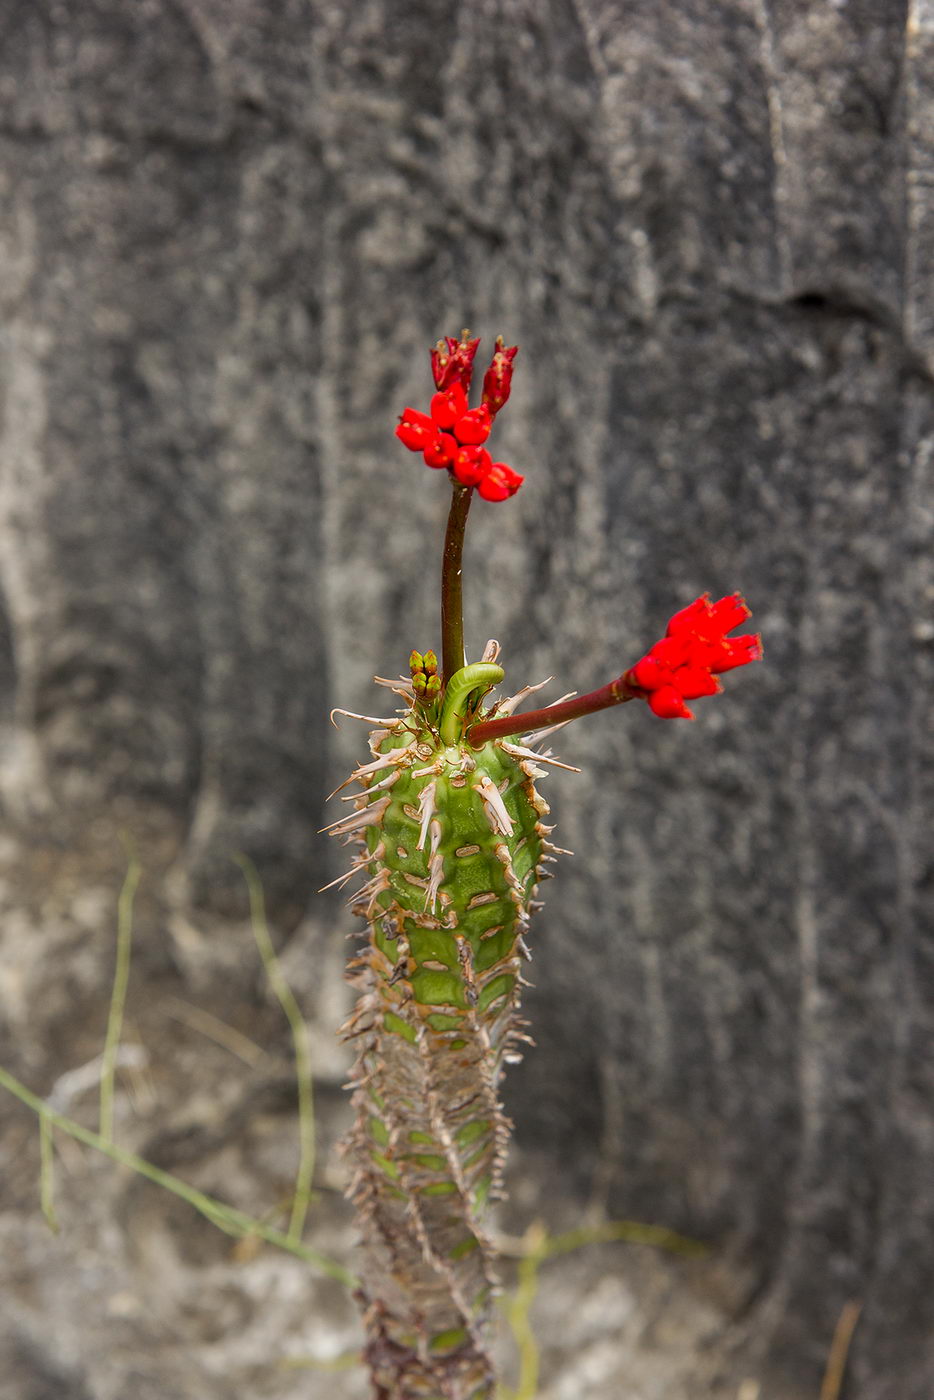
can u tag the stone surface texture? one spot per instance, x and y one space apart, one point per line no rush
229 229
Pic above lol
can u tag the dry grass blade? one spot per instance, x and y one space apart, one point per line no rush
228 1037
839 1351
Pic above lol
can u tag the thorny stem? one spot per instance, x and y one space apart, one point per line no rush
452 607
613 693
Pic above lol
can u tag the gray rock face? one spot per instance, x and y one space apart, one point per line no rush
229 229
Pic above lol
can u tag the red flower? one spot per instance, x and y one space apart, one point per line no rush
453 434
695 649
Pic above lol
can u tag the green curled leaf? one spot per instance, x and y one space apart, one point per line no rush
480 676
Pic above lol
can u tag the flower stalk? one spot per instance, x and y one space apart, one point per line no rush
683 666
452 592
613 693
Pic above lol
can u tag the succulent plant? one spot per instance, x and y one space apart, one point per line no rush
452 845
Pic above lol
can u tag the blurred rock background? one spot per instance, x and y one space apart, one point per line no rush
229 230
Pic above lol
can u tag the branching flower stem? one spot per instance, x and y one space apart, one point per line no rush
452 604
614 693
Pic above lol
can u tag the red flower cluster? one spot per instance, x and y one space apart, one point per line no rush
453 434
695 649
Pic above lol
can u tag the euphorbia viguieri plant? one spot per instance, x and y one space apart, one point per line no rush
452 846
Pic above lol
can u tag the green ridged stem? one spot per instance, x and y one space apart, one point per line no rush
453 847
480 676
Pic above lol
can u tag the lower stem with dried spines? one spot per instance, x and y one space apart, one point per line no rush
453 846
428 1147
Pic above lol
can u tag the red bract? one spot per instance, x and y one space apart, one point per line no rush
442 451
695 649
474 428
471 465
452 361
500 483
453 434
668 704
416 430
498 379
447 407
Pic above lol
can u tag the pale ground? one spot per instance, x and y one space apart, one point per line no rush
139 1296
